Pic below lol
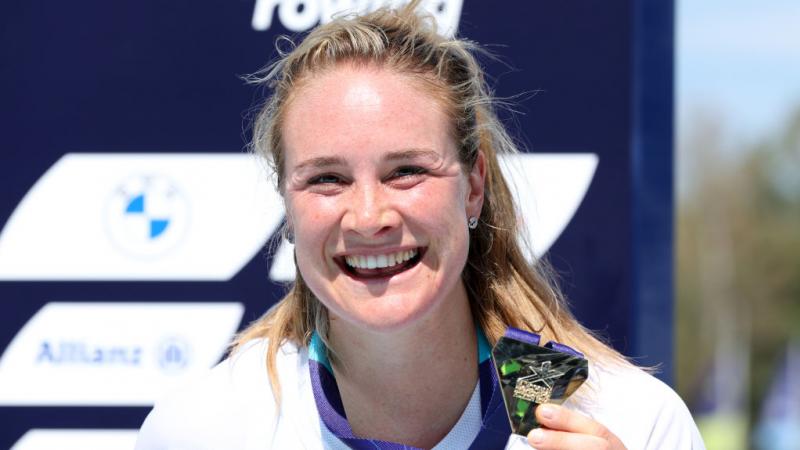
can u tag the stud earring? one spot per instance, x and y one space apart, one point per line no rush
472 223
288 235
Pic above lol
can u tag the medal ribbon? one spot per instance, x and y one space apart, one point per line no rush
495 427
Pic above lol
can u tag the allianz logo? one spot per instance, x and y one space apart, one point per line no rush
302 15
83 353
170 355
113 353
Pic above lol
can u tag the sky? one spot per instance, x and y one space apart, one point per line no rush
739 59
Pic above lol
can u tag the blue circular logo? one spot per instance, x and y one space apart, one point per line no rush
147 216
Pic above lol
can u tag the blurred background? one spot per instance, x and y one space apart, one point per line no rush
738 220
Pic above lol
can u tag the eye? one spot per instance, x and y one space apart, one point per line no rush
405 177
326 178
406 171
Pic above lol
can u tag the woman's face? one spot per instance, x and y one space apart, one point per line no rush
376 197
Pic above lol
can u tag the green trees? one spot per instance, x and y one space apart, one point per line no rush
738 265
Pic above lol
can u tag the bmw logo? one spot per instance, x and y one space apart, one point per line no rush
147 216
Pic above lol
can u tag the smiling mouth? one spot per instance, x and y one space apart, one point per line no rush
380 266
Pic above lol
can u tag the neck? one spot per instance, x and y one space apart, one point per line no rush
409 385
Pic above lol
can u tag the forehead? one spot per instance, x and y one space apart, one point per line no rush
362 109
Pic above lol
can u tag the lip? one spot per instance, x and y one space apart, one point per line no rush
351 273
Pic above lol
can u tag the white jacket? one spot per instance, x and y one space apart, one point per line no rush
233 408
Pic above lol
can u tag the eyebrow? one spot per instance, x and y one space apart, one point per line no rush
399 155
320 162
413 153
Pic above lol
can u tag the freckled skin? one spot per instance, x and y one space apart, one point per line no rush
366 201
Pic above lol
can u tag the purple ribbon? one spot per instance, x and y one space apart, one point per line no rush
495 428
533 339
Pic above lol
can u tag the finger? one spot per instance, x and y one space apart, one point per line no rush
559 418
542 439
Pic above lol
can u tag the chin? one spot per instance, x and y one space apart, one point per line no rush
384 315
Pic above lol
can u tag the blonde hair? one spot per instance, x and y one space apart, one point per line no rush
503 288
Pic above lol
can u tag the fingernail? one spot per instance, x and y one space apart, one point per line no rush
536 436
547 412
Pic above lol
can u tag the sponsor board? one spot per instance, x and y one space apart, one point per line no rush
141 217
173 224
80 354
167 82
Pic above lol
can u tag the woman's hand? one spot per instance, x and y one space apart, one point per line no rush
568 429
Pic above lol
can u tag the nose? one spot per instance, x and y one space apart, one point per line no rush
370 212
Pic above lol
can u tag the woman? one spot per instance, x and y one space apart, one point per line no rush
385 146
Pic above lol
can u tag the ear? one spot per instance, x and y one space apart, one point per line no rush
476 185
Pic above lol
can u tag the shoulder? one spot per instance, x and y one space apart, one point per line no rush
218 409
640 409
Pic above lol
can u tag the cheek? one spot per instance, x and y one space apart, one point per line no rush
311 216
306 227
441 213
441 206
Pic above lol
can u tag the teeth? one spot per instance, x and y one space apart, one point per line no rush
379 261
